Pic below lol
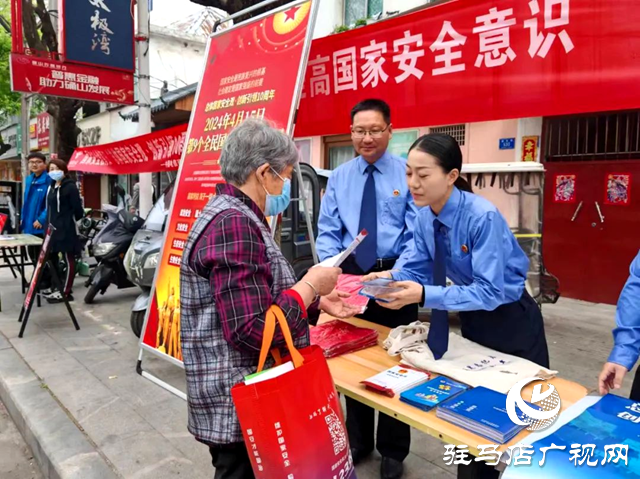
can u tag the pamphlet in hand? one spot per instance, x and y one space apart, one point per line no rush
376 288
434 392
396 380
337 260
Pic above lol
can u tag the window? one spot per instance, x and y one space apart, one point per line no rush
337 150
459 132
604 136
401 142
358 9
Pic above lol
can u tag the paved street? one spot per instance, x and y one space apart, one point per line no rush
16 461
139 429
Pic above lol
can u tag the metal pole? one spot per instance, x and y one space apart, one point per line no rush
53 133
25 107
144 100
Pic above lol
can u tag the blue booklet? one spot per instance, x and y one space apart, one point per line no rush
428 395
483 412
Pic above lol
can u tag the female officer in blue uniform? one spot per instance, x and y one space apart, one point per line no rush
463 237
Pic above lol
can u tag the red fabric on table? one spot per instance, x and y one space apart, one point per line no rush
338 337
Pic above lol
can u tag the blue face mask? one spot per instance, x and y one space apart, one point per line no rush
56 175
276 204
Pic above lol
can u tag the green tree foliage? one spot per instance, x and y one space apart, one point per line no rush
9 101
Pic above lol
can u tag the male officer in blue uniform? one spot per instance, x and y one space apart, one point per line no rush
370 192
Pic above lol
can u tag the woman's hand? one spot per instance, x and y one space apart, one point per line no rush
323 279
372 276
411 294
334 305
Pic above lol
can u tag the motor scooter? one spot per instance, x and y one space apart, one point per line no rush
109 247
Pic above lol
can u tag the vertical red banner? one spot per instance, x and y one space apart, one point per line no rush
251 71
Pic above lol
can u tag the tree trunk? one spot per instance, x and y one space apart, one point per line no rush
62 110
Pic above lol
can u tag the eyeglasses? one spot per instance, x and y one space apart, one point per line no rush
376 133
36 163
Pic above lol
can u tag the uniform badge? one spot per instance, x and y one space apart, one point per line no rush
396 192
464 248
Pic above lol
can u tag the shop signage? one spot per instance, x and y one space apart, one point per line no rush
43 123
96 61
100 33
251 73
90 136
31 74
478 60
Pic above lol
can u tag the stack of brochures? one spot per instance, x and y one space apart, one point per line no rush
396 380
483 412
434 392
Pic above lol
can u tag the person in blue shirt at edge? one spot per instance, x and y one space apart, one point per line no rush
34 207
370 192
464 237
626 337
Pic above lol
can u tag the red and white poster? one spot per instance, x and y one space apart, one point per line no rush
251 71
151 153
618 189
478 60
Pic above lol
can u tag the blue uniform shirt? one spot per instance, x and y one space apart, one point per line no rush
340 209
626 336
484 259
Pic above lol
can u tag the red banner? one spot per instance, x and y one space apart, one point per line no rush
478 60
31 74
43 122
251 71
157 151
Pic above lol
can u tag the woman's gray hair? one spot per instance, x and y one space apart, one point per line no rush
252 144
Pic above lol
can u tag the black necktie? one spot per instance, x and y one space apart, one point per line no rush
438 339
367 252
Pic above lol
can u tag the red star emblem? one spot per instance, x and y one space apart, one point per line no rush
291 14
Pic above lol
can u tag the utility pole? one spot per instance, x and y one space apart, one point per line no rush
53 134
144 100
25 109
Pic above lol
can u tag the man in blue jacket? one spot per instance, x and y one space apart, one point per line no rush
626 337
34 208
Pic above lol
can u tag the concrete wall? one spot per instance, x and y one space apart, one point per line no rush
330 15
402 5
484 140
178 61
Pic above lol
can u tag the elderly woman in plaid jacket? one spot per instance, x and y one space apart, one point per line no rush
232 272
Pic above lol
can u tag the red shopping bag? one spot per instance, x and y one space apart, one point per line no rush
292 424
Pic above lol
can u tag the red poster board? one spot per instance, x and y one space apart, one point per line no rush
478 60
251 70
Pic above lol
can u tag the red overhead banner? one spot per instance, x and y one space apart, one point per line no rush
478 60
44 76
251 71
157 151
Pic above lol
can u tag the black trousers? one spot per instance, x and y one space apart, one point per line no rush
515 328
393 436
231 461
